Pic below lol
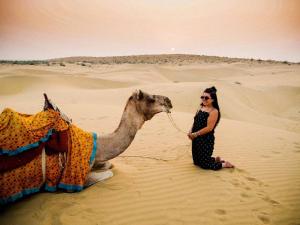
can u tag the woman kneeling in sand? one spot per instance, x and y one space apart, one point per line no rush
202 132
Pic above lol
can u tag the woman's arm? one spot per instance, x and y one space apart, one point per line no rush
211 122
190 131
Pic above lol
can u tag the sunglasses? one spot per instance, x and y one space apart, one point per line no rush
205 97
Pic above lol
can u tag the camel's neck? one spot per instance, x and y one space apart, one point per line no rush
111 145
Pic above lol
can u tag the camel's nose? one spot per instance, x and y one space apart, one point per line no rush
168 103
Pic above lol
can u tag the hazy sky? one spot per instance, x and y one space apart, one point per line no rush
41 29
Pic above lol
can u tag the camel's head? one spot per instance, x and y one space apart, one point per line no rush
149 105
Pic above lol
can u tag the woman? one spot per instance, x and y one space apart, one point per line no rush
202 132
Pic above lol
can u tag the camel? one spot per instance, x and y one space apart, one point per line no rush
140 107
51 151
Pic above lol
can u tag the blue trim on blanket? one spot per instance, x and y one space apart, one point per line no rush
50 189
70 187
19 195
27 147
93 154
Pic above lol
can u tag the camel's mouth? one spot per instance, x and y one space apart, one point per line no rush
165 109
167 105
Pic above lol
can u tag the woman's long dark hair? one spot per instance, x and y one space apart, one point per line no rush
212 91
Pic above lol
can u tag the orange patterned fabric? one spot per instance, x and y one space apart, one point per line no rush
68 171
18 130
78 163
72 170
21 181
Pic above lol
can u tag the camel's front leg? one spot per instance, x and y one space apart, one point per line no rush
94 177
103 166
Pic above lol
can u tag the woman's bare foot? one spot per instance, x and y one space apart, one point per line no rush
227 164
218 159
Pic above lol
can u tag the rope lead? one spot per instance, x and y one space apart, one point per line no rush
174 125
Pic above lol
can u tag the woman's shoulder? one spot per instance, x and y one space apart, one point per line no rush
208 110
214 110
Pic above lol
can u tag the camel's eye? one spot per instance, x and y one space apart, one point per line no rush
150 100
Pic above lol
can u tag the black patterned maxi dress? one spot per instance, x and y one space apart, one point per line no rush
203 146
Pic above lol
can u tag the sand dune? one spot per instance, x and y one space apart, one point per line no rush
155 181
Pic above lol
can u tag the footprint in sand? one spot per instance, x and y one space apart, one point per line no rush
235 183
252 179
245 195
220 211
271 201
248 188
244 185
252 188
247 192
264 218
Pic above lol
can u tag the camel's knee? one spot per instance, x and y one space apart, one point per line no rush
103 166
94 177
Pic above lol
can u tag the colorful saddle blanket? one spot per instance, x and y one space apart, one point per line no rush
20 133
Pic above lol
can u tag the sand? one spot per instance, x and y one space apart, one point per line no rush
155 181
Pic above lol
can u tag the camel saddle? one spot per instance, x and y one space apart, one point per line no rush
54 142
69 153
22 137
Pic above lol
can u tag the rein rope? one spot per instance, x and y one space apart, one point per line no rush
174 124
154 158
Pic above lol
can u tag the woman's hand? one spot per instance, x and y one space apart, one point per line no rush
192 135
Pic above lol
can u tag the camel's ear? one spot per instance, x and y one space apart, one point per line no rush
139 94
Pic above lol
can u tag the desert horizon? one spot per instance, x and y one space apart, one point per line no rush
145 58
